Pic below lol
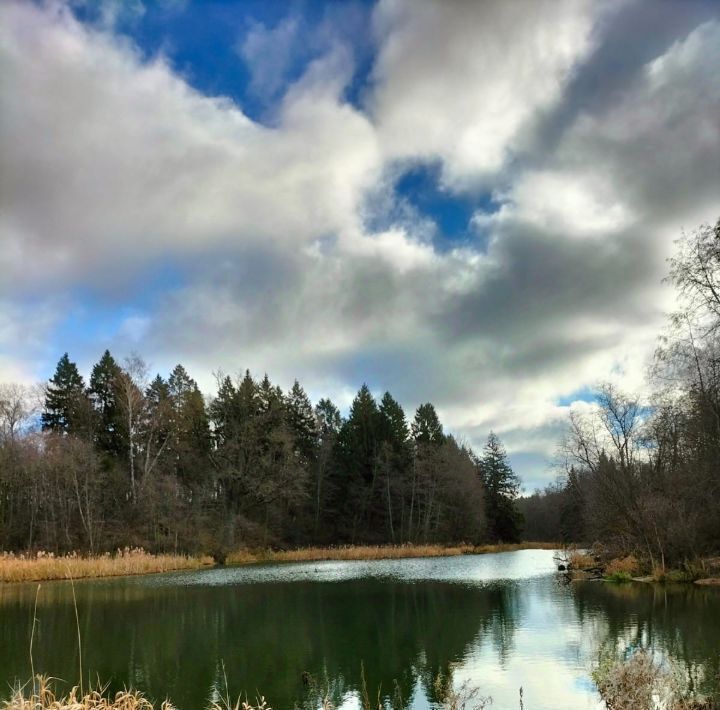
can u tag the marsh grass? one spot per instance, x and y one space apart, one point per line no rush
43 566
625 567
43 696
376 552
580 560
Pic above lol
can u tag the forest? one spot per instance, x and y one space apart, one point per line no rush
641 474
126 460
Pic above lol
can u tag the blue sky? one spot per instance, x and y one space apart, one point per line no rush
465 203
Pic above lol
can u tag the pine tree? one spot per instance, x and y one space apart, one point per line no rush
426 427
355 457
328 417
224 412
502 486
67 408
103 395
395 457
191 441
302 421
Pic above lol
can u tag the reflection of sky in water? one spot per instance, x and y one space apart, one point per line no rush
546 656
496 622
466 569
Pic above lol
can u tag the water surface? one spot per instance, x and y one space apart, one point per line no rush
497 622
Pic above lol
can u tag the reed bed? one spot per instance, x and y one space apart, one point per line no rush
42 566
375 552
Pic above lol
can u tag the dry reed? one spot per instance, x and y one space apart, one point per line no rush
43 697
623 566
43 566
580 560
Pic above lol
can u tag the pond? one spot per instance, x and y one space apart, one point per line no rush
408 627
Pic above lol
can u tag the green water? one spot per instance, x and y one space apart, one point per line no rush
497 621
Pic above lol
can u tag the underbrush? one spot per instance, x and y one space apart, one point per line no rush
643 683
627 567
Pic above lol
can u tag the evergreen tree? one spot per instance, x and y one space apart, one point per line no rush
329 422
502 486
395 457
67 408
159 410
302 421
191 430
328 417
356 451
224 412
393 426
103 392
426 427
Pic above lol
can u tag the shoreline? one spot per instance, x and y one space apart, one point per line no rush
46 567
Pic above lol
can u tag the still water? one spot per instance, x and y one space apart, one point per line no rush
497 621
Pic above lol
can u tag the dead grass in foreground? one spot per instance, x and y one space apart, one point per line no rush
376 552
42 697
44 566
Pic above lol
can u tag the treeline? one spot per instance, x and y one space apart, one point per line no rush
642 475
125 460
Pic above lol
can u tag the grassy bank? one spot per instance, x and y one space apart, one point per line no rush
44 566
376 552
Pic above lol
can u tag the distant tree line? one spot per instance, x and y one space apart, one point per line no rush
128 460
643 476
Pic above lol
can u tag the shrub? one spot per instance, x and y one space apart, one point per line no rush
628 566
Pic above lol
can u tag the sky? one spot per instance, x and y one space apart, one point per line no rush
468 203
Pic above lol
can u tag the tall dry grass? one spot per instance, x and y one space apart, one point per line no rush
42 696
42 566
375 552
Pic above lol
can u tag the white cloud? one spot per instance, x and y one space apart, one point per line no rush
112 164
125 159
460 81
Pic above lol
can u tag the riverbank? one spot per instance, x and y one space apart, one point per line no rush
584 566
44 566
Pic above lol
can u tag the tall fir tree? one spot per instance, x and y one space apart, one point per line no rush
356 450
191 441
103 392
502 485
426 427
67 407
302 422
394 459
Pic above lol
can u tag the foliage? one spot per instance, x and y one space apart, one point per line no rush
134 461
501 485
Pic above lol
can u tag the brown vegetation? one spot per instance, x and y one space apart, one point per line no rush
641 683
44 697
129 561
628 565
